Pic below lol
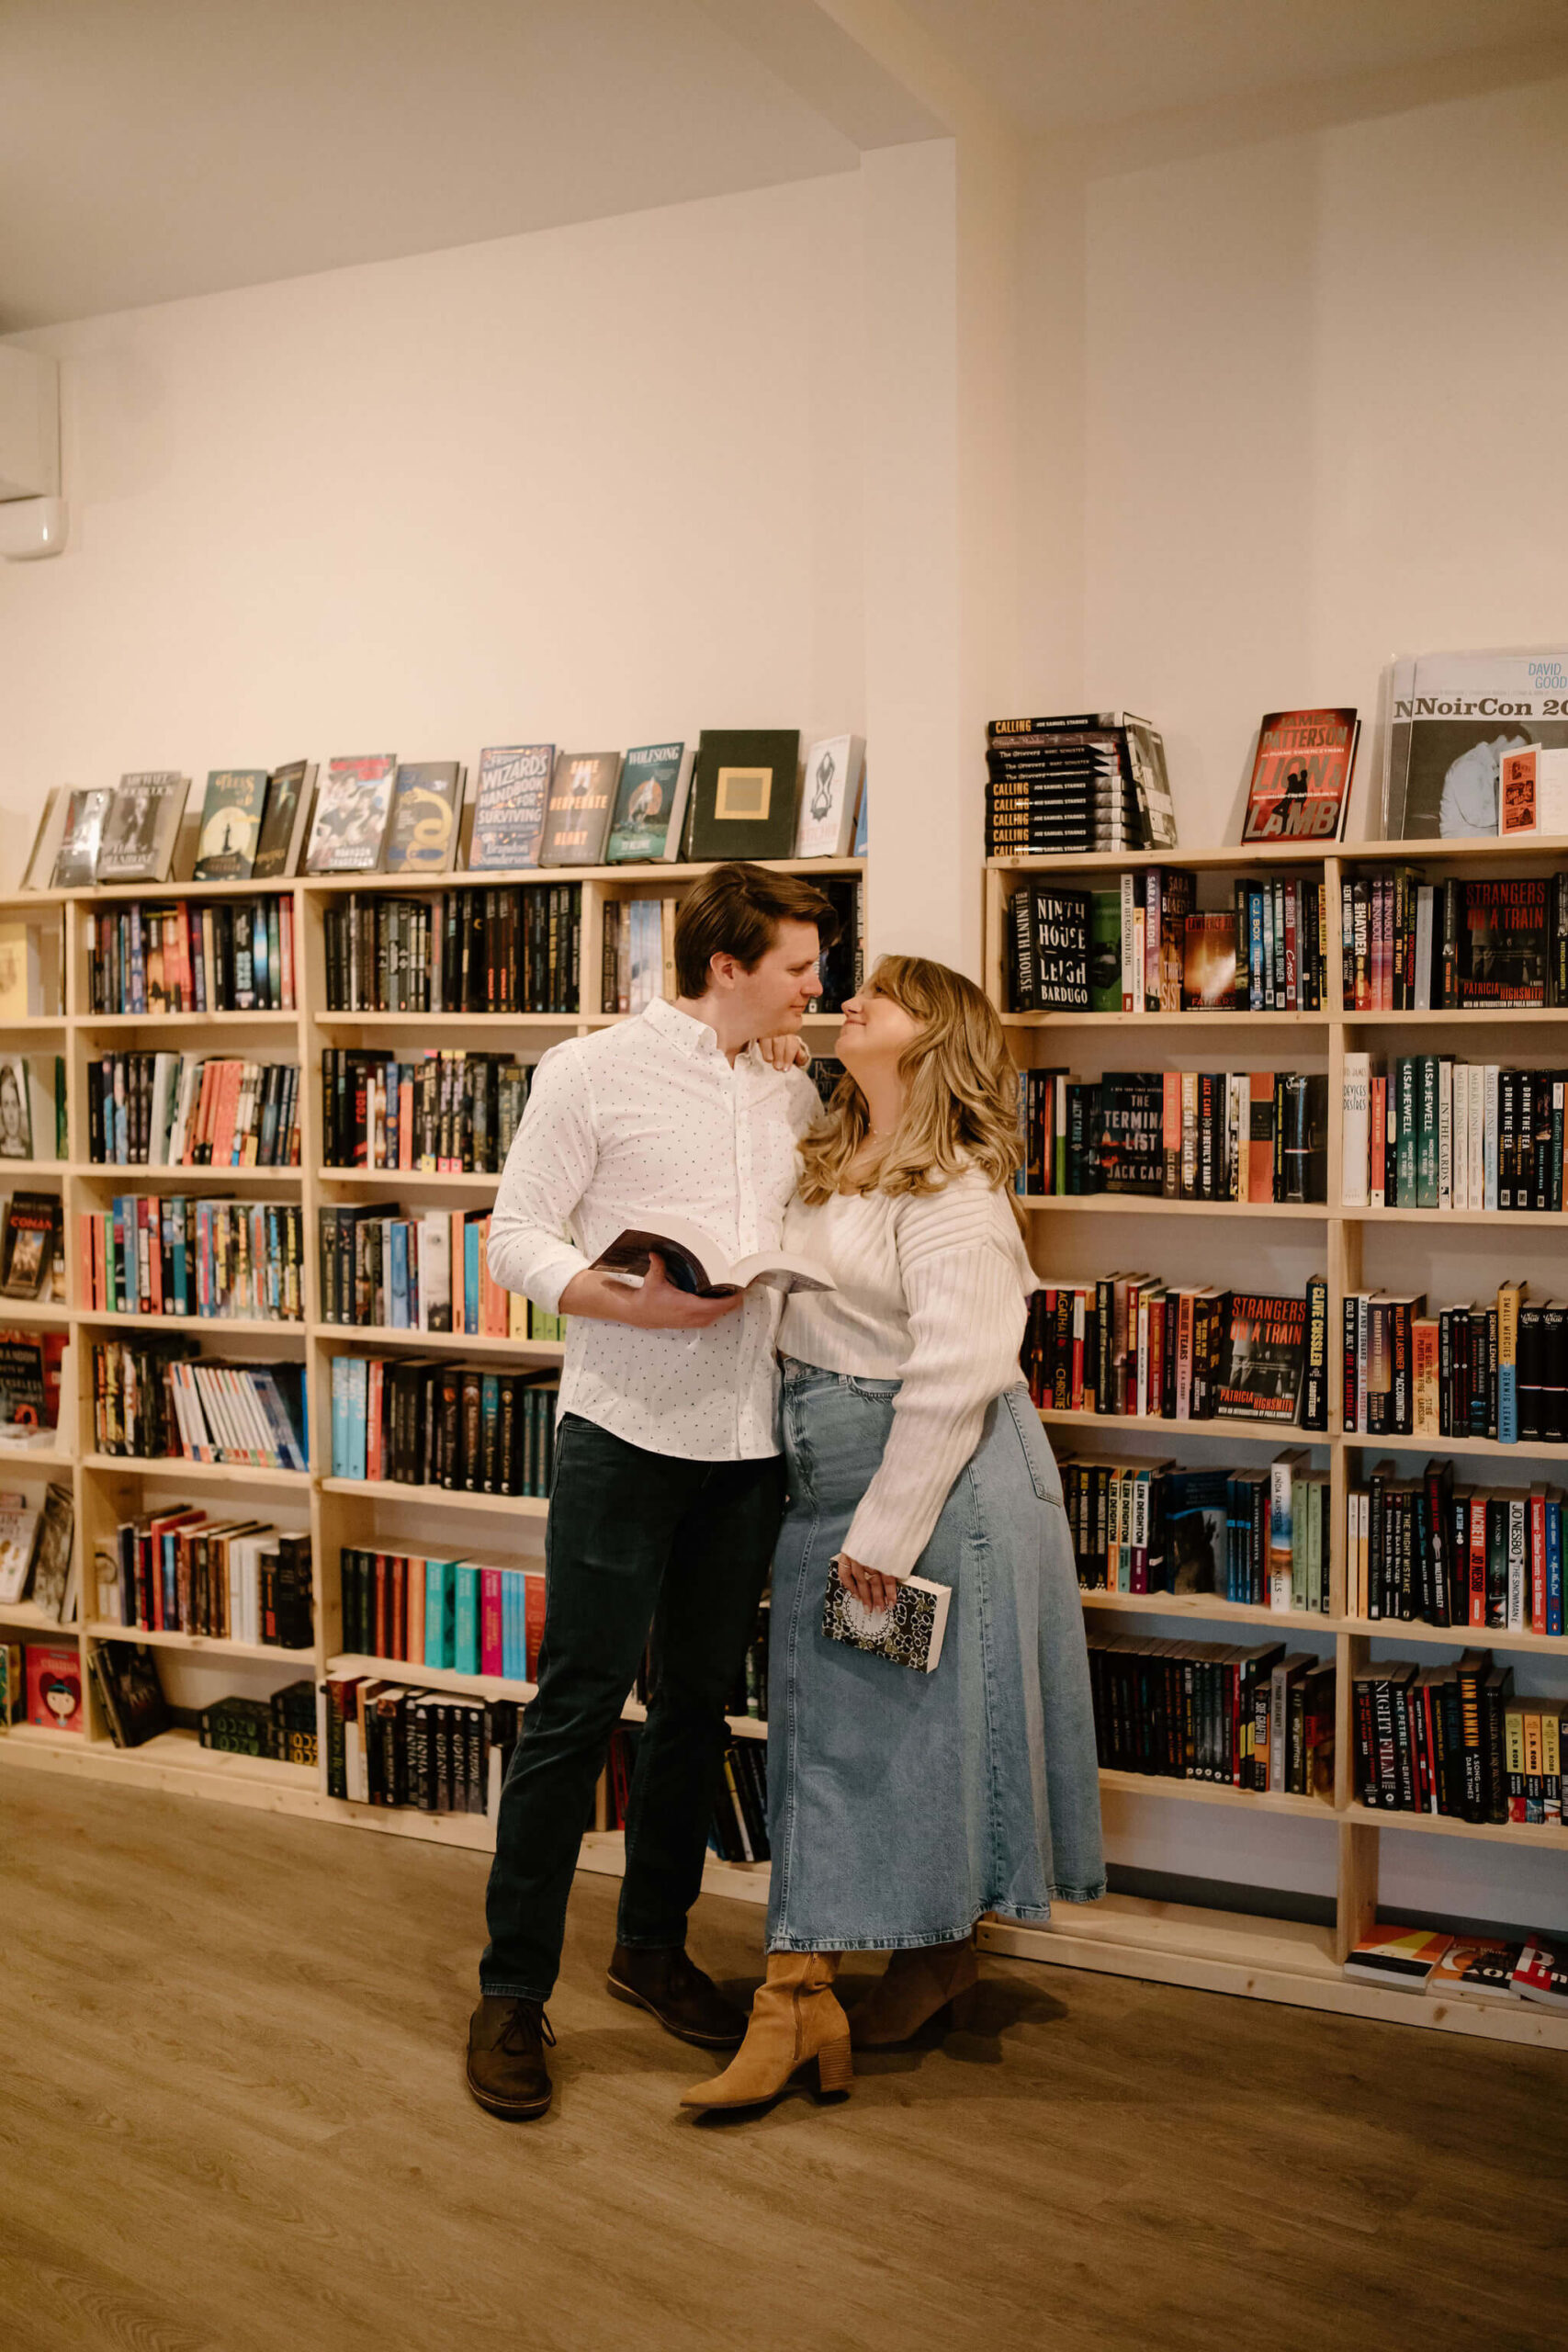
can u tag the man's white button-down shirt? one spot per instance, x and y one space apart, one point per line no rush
644 1116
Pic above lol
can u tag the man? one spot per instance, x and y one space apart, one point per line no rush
668 1486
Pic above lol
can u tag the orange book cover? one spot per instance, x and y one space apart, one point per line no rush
1260 1135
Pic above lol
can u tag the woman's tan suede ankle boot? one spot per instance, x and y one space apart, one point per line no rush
916 1986
795 2016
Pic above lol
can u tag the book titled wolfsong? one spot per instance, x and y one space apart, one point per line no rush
650 814
1300 785
577 819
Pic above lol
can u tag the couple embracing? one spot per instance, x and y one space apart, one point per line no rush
902 1806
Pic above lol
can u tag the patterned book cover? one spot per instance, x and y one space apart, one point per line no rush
909 1634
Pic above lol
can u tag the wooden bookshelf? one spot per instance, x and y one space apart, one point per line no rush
1087 1235
107 1487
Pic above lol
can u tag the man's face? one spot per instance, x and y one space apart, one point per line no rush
773 998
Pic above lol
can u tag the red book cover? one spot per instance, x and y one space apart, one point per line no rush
490 1622
54 1687
1300 785
532 1618
1260 1136
397 1604
1478 1560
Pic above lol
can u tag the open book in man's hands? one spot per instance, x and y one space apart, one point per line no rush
695 1261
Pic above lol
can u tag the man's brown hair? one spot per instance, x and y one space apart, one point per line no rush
737 910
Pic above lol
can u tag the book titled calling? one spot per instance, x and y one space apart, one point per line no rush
909 1634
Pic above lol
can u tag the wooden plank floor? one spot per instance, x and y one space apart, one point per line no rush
233 2120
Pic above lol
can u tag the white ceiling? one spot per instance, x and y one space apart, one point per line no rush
159 148
154 148
1081 63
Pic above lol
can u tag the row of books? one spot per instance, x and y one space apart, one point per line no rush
1410 946
532 805
1256 1536
1496 1370
152 1398
282 1727
192 1111
1479 1968
1434 1133
450 1112
637 961
387 1743
38 1560
1178 1136
1129 1343
1143 946
504 948
422 1424
1241 1715
458 1615
1075 781
177 1571
174 1255
738 1830
1435 1739
1423 1550
192 955
386 1269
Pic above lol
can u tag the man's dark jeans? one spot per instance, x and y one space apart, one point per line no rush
635 1541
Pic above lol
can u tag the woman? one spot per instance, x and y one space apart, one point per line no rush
904 1805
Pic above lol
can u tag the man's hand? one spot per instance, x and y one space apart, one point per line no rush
786 1051
869 1586
655 1305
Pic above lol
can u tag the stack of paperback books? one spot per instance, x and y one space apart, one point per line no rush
1133 1344
1175 1136
1496 1370
422 1424
1074 783
1458 945
455 1615
387 1744
1453 1739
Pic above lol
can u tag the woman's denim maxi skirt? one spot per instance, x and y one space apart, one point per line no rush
903 1806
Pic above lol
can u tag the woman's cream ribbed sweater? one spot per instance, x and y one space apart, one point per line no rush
931 1291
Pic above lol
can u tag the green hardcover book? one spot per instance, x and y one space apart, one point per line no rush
231 822
744 788
1404 1131
1427 1135
1105 951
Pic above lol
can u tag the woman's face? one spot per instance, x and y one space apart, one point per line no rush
876 1035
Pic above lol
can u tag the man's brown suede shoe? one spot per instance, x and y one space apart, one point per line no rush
506 2069
686 2003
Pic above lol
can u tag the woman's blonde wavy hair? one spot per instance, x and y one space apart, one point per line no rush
961 1105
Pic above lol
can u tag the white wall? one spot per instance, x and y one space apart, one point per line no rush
1294 404
1325 380
599 485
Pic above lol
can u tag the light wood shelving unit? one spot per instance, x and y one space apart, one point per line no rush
107 1489
1259 1955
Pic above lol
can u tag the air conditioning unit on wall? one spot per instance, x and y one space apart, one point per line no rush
30 425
